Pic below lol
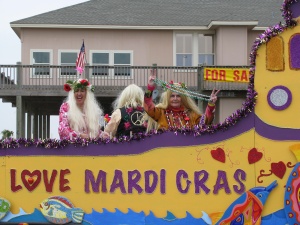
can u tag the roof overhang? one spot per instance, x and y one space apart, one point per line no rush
249 24
213 25
17 27
260 28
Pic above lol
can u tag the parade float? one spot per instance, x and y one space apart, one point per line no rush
244 170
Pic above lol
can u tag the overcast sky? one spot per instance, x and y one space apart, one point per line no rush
10 46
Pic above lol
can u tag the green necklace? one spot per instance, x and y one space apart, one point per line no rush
181 88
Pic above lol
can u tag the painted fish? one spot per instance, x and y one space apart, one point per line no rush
248 207
4 207
292 191
60 210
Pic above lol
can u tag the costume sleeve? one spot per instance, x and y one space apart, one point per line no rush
209 113
150 108
64 129
112 126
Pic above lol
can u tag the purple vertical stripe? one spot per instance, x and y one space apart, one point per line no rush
295 8
295 51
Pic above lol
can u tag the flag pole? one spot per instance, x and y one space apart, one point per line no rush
80 61
85 60
84 63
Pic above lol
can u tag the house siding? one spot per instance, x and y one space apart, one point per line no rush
148 47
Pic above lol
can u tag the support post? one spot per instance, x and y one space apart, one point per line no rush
48 126
40 126
29 121
201 104
44 126
19 75
35 124
20 127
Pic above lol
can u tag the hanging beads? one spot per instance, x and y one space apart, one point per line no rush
182 89
177 118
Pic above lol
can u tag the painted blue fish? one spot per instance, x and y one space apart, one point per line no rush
4 207
248 207
292 191
60 210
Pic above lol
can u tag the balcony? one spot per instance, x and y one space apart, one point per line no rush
38 90
43 84
28 80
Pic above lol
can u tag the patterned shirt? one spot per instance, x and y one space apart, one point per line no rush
64 129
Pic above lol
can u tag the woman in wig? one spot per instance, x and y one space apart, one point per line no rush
128 115
80 113
177 110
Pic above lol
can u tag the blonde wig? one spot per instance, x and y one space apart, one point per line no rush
88 119
131 96
186 102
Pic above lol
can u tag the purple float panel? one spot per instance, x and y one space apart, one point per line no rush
295 9
295 52
276 133
166 139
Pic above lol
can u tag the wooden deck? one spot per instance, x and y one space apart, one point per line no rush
42 86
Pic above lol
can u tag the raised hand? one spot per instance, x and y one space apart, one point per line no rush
152 77
84 136
104 135
213 96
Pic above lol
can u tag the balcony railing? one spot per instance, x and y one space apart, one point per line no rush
107 79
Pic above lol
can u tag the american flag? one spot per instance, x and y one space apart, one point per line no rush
80 58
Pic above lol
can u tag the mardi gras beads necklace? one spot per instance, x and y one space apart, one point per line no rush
176 117
182 89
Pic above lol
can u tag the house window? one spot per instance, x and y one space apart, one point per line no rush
100 62
184 50
41 62
193 49
205 50
68 63
119 62
122 63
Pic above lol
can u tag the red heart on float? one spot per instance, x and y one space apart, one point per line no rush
254 156
218 155
278 169
30 180
32 183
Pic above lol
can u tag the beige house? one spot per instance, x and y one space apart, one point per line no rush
123 39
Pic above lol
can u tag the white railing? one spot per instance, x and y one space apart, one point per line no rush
105 78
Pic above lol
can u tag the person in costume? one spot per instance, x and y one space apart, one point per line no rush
177 110
152 124
128 115
79 114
